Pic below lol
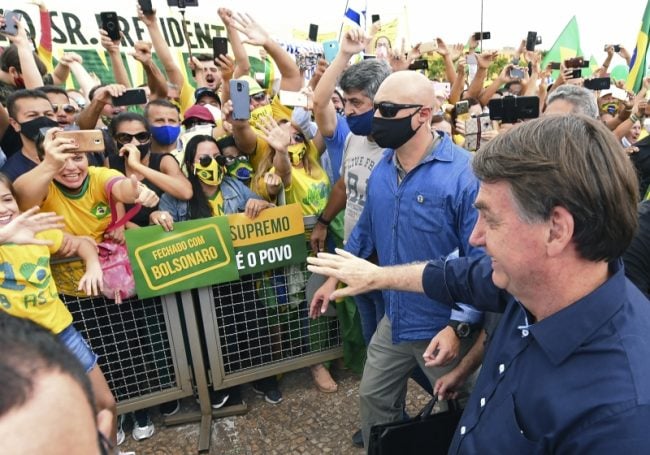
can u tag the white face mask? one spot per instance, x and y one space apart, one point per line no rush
215 111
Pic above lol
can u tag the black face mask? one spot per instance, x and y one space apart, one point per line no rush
32 128
393 133
144 149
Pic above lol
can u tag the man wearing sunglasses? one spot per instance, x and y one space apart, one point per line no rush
64 110
418 206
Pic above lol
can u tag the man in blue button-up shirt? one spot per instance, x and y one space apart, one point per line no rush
567 369
419 205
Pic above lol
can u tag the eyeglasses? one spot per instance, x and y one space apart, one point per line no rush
125 138
205 160
390 110
261 96
67 108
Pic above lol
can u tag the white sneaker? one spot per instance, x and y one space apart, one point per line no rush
120 432
139 433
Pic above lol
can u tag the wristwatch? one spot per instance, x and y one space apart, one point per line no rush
462 329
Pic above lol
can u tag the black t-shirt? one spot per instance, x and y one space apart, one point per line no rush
637 255
118 163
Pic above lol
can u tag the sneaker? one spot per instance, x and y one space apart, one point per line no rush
142 426
272 395
170 408
120 431
357 439
218 398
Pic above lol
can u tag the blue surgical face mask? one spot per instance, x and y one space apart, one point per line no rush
166 134
361 124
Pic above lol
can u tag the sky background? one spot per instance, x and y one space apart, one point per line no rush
600 23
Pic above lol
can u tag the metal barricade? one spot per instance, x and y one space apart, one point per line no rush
139 343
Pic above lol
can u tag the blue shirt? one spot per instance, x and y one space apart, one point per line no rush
428 215
335 145
576 382
17 165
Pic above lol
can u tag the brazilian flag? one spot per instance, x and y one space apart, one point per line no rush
638 62
566 46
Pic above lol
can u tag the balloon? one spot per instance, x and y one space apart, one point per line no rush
619 72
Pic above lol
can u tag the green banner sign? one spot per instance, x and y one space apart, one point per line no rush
274 239
196 253
214 250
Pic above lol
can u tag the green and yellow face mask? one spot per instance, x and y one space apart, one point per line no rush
240 168
209 171
297 153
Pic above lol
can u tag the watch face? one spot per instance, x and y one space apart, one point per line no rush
463 330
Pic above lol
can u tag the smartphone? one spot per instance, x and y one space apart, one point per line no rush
241 107
293 98
478 36
555 65
131 97
575 62
330 49
313 32
182 3
88 141
442 88
531 41
368 56
11 27
146 6
617 47
576 73
419 65
429 46
219 46
598 83
111 25
375 18
462 110
517 73
619 93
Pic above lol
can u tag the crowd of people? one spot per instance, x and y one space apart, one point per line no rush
514 229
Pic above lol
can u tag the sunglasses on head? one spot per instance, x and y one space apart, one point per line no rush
390 110
261 96
126 138
67 108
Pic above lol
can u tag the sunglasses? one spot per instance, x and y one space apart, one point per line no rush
205 160
261 96
390 110
67 108
298 138
126 138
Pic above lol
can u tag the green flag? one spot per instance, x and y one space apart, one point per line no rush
566 46
638 61
593 66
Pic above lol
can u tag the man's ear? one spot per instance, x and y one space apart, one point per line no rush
561 229
15 125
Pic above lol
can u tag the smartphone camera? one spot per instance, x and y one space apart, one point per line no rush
239 87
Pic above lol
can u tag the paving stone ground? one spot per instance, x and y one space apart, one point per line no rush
306 422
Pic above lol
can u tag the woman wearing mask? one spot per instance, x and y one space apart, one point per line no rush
241 316
295 160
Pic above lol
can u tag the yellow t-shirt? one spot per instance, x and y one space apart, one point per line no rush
27 289
186 96
88 212
216 203
311 193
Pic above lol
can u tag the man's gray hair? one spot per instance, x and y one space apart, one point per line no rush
582 100
365 76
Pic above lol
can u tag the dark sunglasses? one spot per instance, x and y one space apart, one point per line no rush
261 96
205 160
390 110
126 138
67 108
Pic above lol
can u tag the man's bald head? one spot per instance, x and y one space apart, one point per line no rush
406 87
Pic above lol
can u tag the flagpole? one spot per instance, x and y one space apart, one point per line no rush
347 3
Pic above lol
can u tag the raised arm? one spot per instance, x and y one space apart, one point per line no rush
28 69
277 136
484 60
113 49
242 65
75 63
88 118
258 36
448 56
155 78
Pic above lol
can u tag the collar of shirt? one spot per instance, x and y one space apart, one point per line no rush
562 333
437 137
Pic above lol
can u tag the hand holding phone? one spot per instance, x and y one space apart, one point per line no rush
293 98
10 26
147 8
131 97
478 36
87 141
111 25
517 73
219 46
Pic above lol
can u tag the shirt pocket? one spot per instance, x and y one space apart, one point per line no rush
499 429
426 212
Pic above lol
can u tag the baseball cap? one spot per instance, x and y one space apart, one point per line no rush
202 91
253 86
198 112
